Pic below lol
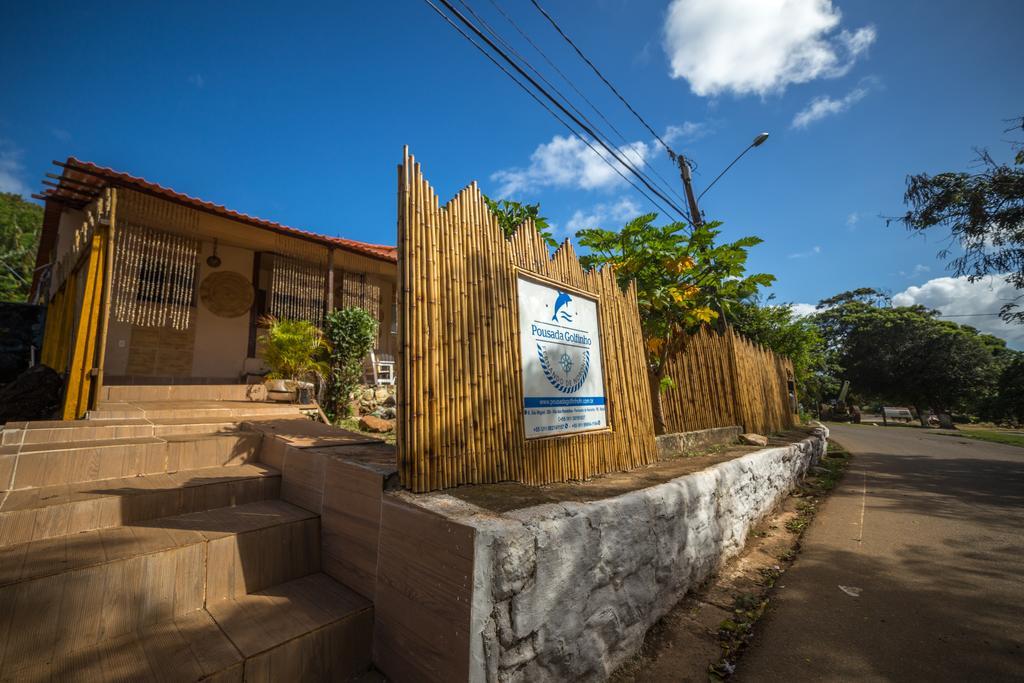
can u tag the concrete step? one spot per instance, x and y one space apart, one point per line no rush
40 513
228 410
189 647
73 592
55 431
182 392
309 629
38 464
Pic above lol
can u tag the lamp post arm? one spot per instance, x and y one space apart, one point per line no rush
749 147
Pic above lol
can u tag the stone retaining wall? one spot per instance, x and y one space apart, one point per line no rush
681 443
567 591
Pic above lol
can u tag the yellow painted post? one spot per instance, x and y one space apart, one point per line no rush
79 379
51 332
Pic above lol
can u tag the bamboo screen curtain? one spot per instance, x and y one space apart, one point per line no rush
154 277
297 290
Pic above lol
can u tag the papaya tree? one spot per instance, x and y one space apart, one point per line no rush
511 215
684 279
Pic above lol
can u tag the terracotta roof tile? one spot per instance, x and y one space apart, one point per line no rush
93 174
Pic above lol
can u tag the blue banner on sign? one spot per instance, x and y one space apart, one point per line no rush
562 401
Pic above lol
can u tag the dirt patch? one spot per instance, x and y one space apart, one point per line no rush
705 634
508 496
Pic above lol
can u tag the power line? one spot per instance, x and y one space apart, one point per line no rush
601 76
641 177
540 102
544 56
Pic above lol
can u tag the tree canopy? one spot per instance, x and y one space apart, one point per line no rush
777 327
906 354
20 224
683 280
512 214
984 212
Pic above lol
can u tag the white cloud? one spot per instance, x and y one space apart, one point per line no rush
599 215
823 106
955 296
61 134
11 169
919 269
197 80
813 251
688 132
758 46
803 309
853 219
569 162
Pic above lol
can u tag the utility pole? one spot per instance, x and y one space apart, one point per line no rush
687 176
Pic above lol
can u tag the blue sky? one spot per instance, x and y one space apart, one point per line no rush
299 115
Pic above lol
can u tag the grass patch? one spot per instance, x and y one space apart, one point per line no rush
991 435
734 633
352 425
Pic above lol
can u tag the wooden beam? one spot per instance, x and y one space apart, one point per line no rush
65 179
108 278
73 191
76 204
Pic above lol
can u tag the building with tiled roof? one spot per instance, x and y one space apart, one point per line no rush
147 285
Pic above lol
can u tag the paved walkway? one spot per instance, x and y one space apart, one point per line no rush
913 569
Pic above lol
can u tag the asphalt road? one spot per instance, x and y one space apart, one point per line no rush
913 570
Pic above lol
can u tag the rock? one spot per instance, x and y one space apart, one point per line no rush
387 413
376 425
753 440
367 394
33 395
380 394
390 401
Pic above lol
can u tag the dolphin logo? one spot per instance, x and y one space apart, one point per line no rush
561 301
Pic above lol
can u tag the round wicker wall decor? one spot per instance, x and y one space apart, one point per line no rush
226 294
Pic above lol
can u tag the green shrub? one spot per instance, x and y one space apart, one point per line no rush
293 350
351 333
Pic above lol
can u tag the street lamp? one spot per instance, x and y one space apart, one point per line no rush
758 141
684 171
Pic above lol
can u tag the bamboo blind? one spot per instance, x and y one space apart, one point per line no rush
297 290
460 388
154 277
725 379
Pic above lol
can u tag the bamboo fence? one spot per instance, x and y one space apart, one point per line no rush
460 391
725 379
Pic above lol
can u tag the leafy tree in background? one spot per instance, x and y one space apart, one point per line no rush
512 214
776 327
20 223
683 280
984 212
351 333
1009 401
907 355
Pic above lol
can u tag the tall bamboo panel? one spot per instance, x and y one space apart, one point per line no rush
725 379
460 388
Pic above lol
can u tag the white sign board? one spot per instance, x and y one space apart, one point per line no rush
560 346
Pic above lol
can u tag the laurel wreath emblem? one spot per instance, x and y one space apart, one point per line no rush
559 383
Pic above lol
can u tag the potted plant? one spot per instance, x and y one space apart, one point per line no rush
293 350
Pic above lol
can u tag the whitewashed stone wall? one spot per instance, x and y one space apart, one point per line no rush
567 591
